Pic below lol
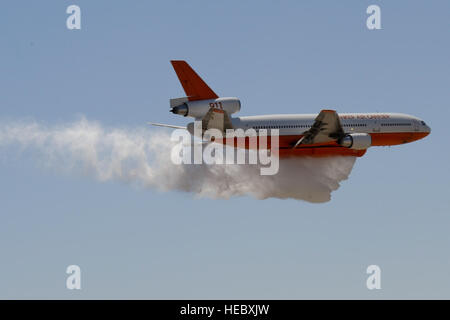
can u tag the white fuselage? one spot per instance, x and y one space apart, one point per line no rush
295 124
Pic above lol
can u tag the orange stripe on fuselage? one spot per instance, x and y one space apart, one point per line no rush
332 148
395 138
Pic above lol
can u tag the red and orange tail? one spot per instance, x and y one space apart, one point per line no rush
193 85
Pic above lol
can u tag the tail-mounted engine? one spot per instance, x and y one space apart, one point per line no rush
199 108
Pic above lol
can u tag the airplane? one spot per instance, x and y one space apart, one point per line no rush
325 134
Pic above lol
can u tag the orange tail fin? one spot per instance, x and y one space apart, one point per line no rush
193 85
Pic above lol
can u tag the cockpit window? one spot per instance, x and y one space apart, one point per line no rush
423 122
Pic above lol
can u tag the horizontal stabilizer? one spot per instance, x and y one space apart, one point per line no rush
166 125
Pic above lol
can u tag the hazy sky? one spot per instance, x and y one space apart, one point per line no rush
277 57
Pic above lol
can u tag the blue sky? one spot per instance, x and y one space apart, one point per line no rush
277 57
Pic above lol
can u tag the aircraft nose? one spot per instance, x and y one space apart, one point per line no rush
426 131
424 127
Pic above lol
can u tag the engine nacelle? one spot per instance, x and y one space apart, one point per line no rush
197 109
356 141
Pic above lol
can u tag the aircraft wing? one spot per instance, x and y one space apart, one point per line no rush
326 128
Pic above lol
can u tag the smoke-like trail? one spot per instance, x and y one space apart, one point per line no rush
142 156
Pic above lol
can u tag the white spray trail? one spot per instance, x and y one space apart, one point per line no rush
142 156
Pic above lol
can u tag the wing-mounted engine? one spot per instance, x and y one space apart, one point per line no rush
327 127
199 108
356 141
